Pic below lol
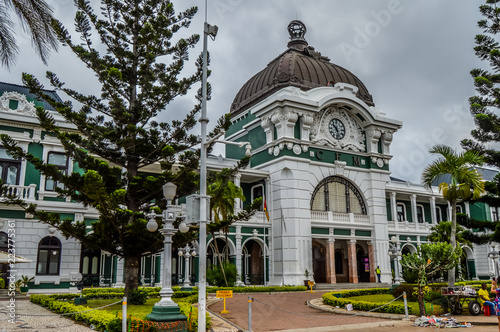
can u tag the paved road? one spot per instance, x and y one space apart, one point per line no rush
282 311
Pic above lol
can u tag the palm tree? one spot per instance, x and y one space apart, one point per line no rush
36 18
223 195
465 182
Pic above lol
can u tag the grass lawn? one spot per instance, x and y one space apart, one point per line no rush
137 311
385 298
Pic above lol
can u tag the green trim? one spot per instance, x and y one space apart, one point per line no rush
338 231
49 285
359 232
12 214
54 199
17 130
32 174
240 123
322 231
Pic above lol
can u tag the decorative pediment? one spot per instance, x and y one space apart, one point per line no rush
336 128
24 106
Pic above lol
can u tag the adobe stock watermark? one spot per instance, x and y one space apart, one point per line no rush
11 251
225 7
371 29
453 120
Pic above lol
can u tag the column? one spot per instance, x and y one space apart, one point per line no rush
448 212
353 264
373 264
330 261
238 256
432 200
467 208
394 210
237 201
413 200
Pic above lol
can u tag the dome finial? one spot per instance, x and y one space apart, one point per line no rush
297 30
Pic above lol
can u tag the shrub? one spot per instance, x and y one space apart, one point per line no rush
331 299
2 283
410 276
409 289
216 277
137 297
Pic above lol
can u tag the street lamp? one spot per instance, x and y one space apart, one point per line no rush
166 310
208 30
494 255
186 252
394 253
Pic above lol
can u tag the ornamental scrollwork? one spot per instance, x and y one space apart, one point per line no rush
23 105
354 138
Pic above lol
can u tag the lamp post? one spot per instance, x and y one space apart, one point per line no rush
186 252
166 310
494 255
394 253
208 30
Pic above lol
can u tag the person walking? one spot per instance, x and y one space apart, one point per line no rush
496 289
378 273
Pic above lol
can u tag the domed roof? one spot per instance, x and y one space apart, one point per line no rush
300 66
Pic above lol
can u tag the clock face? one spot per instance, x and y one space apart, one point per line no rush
337 129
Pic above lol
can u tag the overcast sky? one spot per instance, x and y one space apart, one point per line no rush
413 56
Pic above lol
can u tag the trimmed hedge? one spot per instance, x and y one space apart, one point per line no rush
104 320
100 319
341 298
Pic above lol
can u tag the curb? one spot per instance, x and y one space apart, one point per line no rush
318 304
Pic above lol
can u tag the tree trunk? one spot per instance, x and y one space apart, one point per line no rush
421 305
220 260
131 273
453 241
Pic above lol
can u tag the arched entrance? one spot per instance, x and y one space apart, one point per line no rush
363 264
319 262
341 269
253 263
467 264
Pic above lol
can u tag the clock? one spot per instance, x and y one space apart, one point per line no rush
337 128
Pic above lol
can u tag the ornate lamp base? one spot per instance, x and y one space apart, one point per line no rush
166 314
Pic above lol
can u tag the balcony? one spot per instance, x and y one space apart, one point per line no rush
339 218
409 226
26 193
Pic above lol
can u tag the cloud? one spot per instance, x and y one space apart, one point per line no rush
415 61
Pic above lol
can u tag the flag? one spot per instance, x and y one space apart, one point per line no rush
265 211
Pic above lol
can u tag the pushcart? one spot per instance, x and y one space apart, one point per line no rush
460 297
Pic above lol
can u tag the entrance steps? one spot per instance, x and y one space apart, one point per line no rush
342 286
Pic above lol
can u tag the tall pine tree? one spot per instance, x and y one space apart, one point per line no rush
118 135
484 107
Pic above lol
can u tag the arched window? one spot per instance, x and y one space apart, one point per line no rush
49 256
336 194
